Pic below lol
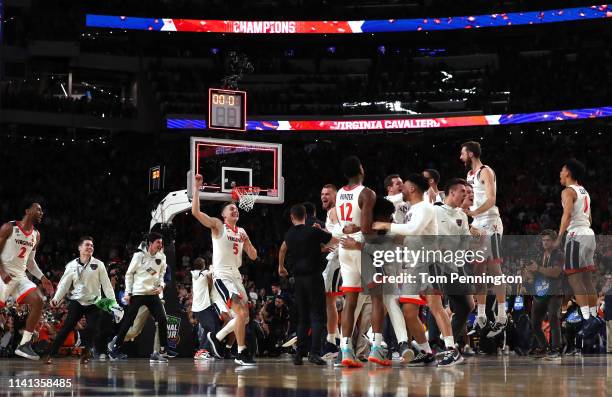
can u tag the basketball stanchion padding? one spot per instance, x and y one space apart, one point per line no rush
245 195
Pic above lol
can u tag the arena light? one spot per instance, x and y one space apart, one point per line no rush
394 123
349 27
395 106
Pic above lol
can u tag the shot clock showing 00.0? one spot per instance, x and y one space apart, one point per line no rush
226 109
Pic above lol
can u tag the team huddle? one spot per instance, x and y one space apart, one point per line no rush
358 223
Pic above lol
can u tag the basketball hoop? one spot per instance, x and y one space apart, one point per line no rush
245 195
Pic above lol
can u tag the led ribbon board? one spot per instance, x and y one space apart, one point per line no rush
393 123
347 27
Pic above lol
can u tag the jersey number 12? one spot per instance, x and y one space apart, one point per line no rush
348 211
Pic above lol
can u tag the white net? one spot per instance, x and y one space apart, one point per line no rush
246 196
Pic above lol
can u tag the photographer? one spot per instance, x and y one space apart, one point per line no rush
6 342
546 274
275 315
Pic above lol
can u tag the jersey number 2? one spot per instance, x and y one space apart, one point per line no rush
349 211
235 248
22 252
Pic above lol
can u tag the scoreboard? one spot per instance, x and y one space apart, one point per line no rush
226 109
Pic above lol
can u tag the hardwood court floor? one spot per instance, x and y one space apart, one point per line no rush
589 376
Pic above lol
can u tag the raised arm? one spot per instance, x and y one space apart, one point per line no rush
212 223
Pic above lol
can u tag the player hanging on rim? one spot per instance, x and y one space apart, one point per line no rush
228 242
488 222
580 242
18 243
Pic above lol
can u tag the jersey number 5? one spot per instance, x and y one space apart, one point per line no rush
348 211
22 252
235 248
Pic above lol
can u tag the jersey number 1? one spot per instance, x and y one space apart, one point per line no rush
349 211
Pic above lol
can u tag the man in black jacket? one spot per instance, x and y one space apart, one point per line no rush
304 244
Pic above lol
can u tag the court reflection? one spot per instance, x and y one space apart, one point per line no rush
499 376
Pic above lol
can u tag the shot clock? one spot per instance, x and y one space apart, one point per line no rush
226 109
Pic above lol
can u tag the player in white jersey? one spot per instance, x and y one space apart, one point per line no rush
228 242
420 221
394 184
433 194
488 222
18 243
354 204
331 274
580 242
207 306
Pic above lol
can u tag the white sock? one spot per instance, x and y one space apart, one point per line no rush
241 348
397 318
449 342
225 331
228 347
424 347
331 338
586 314
482 310
593 311
501 310
27 336
377 340
345 343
